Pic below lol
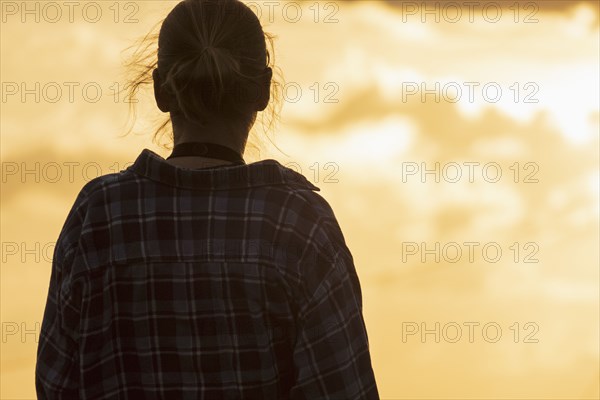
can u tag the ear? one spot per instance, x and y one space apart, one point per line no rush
159 94
265 92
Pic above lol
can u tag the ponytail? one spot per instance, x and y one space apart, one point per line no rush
198 83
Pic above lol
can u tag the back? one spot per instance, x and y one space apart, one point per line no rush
219 283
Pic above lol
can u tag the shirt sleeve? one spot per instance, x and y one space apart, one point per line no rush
331 353
57 365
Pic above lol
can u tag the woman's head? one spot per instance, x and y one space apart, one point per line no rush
212 64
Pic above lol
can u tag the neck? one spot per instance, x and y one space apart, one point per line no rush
218 132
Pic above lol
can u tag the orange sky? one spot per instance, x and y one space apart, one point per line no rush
358 131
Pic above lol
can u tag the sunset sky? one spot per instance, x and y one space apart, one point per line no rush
517 161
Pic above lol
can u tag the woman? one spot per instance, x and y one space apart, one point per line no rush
201 276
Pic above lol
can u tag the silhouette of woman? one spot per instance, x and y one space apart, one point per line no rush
201 276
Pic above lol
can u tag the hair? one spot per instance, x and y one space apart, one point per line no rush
211 56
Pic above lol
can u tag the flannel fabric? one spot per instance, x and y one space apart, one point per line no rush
229 282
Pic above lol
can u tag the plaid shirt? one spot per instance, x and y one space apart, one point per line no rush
230 282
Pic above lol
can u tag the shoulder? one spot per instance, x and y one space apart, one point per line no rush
324 237
103 183
98 191
305 192
91 190
77 216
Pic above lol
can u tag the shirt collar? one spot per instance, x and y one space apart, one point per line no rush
260 173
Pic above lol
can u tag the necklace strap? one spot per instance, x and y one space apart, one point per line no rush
210 150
